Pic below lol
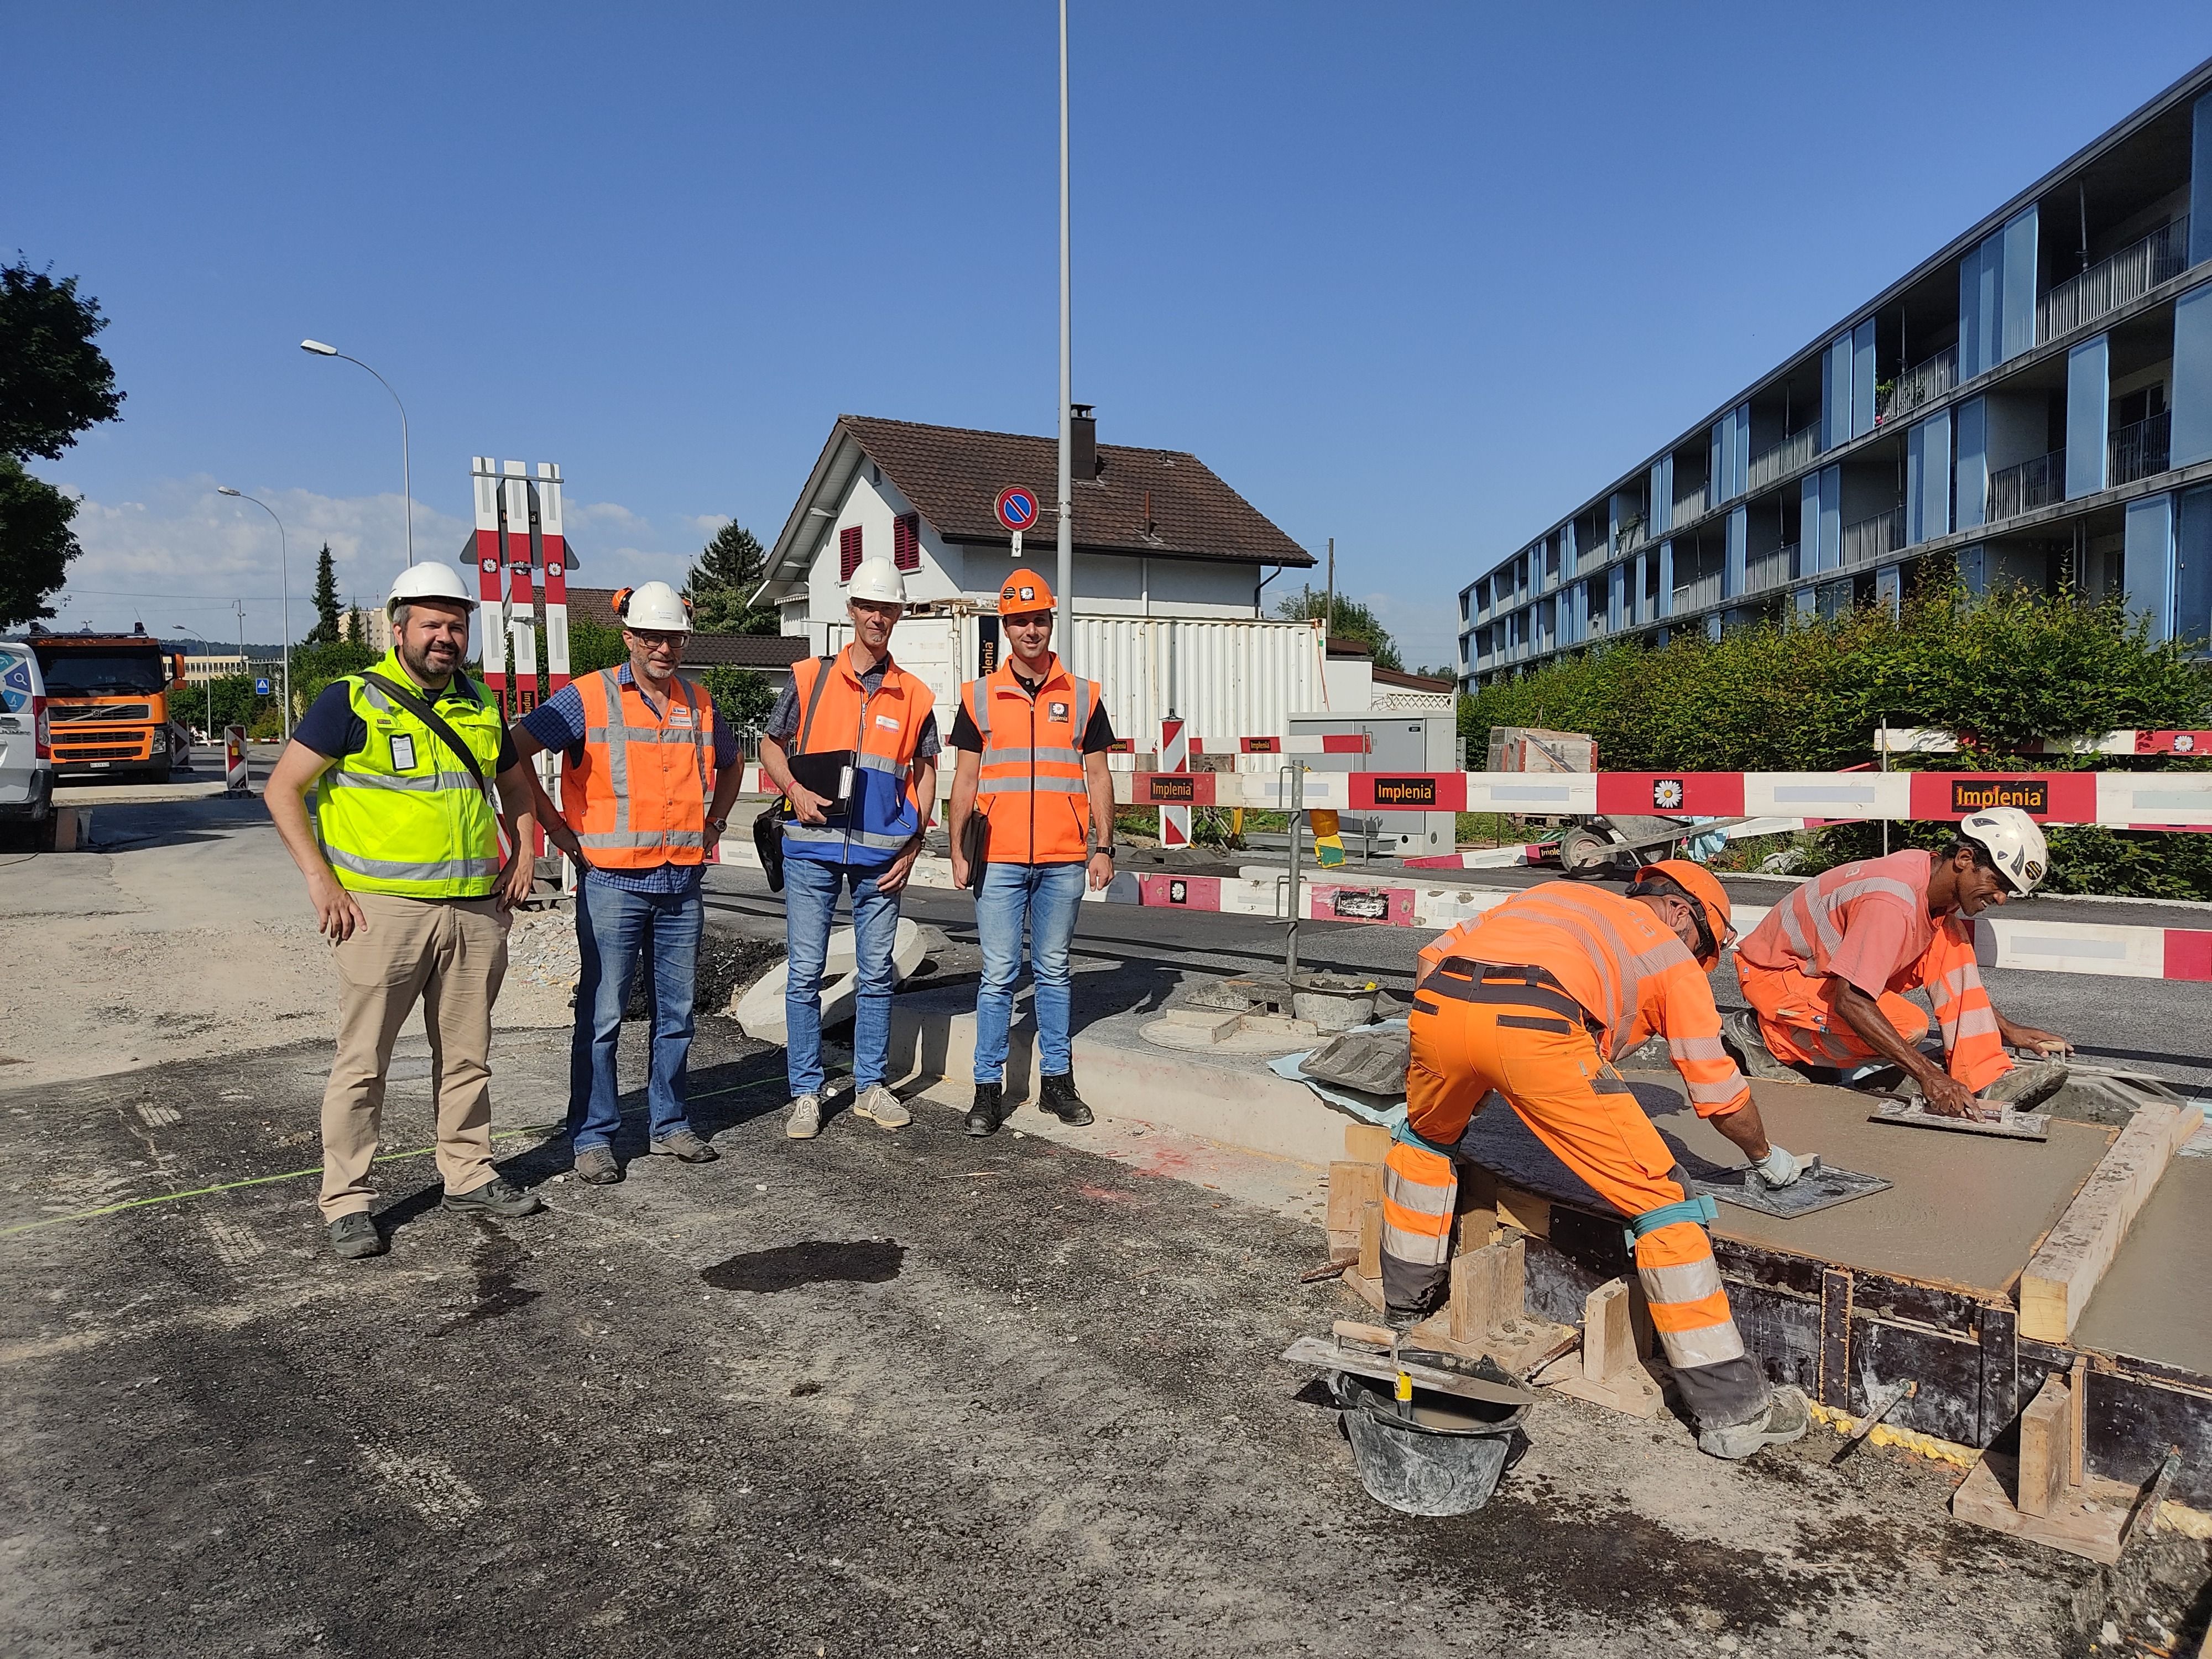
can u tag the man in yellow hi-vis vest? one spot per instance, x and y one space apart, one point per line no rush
403 868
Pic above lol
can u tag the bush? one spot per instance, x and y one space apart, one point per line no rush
1807 697
741 696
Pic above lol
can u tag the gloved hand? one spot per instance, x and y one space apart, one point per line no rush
1778 1168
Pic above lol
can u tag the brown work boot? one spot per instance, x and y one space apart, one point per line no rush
1746 1045
1786 1418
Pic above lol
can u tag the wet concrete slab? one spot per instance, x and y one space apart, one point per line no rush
1962 1211
2151 1303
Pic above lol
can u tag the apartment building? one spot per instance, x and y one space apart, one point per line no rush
2034 405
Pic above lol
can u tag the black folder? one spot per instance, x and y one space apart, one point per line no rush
828 773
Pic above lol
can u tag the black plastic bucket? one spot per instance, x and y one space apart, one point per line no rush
1436 1454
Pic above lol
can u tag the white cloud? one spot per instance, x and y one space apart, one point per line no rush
177 559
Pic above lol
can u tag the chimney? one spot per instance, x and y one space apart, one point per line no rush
1082 442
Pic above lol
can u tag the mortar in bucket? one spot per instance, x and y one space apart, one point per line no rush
1435 1454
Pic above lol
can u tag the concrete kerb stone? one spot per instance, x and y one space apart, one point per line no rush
759 1008
1121 1077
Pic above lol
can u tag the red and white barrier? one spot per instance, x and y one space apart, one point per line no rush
1934 740
1175 758
2122 801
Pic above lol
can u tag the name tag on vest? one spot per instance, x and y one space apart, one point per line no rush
402 752
888 722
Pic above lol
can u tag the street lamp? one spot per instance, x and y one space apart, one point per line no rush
406 471
284 597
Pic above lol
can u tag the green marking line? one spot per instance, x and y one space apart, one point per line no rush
295 1175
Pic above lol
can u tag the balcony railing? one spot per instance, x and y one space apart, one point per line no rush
1870 538
1697 593
1769 569
1919 385
2022 488
1795 451
2138 451
2111 283
1689 507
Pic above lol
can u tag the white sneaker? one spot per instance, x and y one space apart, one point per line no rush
805 1120
880 1105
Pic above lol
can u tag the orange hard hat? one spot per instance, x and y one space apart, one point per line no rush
1025 591
1716 931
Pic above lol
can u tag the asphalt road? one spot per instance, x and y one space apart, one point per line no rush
872 1394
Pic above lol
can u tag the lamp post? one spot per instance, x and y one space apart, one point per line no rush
284 594
1066 569
406 472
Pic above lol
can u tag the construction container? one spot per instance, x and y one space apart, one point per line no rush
1415 745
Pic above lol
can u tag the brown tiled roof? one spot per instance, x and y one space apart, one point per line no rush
952 475
770 651
1405 682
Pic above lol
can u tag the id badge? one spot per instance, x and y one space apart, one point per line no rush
402 752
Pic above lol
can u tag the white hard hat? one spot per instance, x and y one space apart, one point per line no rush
655 605
429 581
2014 842
878 582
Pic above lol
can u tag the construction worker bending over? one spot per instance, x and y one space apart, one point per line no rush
403 868
1530 999
1824 972
862 708
648 771
1031 740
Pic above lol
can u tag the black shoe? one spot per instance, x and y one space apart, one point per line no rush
355 1236
1057 1094
984 1116
494 1197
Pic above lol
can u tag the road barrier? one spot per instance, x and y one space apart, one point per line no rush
234 753
1934 740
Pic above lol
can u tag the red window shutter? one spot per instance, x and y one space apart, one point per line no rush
906 541
849 552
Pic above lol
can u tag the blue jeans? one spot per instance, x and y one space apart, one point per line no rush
613 929
810 904
1047 897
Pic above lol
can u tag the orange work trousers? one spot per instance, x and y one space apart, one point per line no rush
1529 1043
1798 1017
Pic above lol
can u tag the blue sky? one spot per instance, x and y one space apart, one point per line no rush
1418 278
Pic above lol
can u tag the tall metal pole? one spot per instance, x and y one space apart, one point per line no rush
1067 571
284 588
406 464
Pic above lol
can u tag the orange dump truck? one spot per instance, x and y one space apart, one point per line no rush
108 699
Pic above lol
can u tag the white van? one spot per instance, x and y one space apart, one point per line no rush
27 748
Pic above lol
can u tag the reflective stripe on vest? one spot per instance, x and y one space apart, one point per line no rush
1053 825
636 794
882 728
426 831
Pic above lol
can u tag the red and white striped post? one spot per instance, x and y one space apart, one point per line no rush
522 593
553 561
490 556
1175 756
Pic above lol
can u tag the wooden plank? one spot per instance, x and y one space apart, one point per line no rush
2085 1520
1371 1241
1608 1340
1366 1142
1349 1187
1473 1229
2045 1459
2077 1422
2000 1379
2064 1273
1524 1210
1836 1340
1475 1300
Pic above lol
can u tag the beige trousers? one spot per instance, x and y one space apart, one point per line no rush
449 956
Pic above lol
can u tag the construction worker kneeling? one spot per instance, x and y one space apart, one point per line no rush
1531 1001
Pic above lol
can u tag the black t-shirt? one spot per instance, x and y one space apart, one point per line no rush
1098 736
332 730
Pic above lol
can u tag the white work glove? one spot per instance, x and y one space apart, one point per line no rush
1778 1168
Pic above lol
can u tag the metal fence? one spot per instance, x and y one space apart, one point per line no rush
1870 538
1922 384
1689 507
1795 451
2022 488
1769 569
2111 283
2138 451
1700 592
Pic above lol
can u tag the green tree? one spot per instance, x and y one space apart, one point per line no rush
729 570
593 645
54 383
741 696
1348 619
325 630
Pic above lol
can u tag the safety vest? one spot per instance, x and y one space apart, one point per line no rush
402 814
636 792
1632 977
1806 931
881 727
1029 784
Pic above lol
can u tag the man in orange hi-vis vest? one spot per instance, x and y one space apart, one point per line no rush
648 772
1532 1000
1824 972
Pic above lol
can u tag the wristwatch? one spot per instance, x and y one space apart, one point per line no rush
719 826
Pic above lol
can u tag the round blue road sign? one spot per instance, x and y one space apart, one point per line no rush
1017 507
